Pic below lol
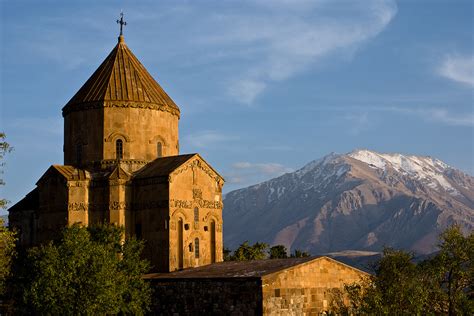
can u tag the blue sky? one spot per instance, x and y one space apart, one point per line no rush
264 87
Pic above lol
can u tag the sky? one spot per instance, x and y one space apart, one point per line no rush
264 86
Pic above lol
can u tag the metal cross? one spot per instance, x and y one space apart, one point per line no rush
121 22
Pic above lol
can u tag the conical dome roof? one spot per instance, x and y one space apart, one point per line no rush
121 80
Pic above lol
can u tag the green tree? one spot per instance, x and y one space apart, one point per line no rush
88 271
227 253
278 252
397 287
442 284
299 254
245 251
7 253
453 269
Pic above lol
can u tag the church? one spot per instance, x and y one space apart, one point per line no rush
122 166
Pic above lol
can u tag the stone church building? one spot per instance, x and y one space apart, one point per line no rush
122 166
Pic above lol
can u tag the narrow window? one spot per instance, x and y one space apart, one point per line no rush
196 214
78 154
159 149
196 248
213 241
119 149
180 244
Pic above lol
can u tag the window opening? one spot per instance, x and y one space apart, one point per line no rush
196 248
119 149
159 149
196 214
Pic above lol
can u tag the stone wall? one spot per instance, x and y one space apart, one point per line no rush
233 297
196 204
306 289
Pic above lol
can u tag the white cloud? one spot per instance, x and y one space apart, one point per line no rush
246 173
270 169
207 139
284 43
444 116
246 90
458 68
248 45
437 114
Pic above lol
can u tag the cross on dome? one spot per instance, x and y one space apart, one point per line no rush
122 23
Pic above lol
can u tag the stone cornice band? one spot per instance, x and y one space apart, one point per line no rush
115 104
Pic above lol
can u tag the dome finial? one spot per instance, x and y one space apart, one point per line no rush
122 24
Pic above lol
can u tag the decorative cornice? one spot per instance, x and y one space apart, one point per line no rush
117 104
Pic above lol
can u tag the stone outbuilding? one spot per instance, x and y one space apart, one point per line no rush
294 286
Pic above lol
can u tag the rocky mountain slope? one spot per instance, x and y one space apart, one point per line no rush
362 200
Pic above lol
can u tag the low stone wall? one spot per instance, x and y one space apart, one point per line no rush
232 296
306 289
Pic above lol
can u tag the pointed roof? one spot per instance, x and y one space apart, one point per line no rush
165 166
162 167
70 173
121 78
119 174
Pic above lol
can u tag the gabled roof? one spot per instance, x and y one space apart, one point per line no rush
121 77
234 269
162 167
68 172
29 202
118 173
243 269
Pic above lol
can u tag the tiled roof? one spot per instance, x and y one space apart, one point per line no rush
234 269
162 167
121 77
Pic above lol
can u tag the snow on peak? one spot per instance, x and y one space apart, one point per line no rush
315 163
421 167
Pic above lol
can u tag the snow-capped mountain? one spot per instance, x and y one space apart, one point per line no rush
362 200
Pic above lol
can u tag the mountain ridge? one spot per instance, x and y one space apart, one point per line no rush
360 200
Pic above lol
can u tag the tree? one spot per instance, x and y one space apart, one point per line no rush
88 271
4 149
278 252
442 284
7 253
453 268
245 251
227 254
299 254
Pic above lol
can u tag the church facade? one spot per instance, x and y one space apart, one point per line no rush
122 166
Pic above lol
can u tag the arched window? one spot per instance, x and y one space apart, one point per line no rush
78 154
159 149
196 214
119 149
196 248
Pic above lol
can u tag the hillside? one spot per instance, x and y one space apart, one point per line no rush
362 200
